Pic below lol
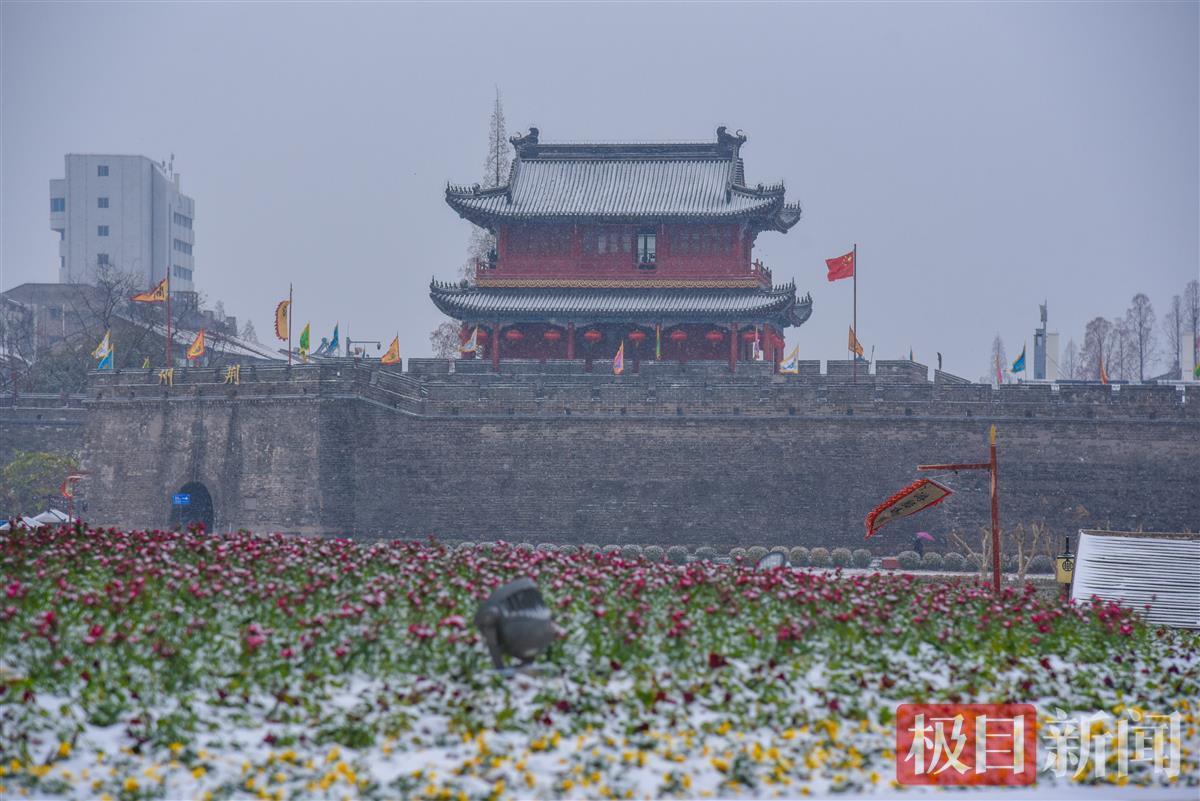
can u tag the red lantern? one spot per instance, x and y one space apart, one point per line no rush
714 336
678 335
593 336
552 335
513 335
749 336
637 337
482 337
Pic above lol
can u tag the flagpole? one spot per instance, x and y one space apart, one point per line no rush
168 317
854 317
290 310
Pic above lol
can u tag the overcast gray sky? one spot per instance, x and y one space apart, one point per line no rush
983 156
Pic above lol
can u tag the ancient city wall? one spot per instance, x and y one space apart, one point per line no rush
673 454
49 423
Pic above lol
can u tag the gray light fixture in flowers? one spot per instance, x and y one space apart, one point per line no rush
772 560
515 622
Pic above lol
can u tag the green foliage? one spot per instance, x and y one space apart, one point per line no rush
737 553
756 552
932 561
798 556
955 562
862 557
1041 564
655 553
631 551
677 555
910 560
819 557
841 557
705 554
29 478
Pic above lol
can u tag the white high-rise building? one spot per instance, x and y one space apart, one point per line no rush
126 212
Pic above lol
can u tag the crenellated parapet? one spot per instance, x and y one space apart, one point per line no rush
564 388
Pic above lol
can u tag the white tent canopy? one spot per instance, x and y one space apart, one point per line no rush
1156 574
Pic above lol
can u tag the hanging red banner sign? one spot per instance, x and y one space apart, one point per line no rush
920 494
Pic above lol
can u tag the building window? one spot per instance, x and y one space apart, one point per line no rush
183 247
540 240
101 230
701 239
102 259
183 221
646 252
58 204
604 242
181 272
102 203
102 170
55 312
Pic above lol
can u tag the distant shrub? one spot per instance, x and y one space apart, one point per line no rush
1041 564
955 562
819 557
654 553
737 553
862 557
910 560
705 554
677 555
463 547
611 549
755 552
631 552
547 547
932 561
525 546
798 556
841 557
568 550
486 547
783 549
590 547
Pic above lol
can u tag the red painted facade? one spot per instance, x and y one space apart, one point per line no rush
548 250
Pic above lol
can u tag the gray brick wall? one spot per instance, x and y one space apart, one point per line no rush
691 455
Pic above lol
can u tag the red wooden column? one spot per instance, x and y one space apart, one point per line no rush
496 348
570 340
733 346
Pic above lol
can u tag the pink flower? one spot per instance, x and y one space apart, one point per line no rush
94 634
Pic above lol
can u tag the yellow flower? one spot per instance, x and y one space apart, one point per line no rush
874 777
175 748
498 787
788 734
198 772
567 784
724 727
64 749
130 785
686 781
334 754
720 764
529 780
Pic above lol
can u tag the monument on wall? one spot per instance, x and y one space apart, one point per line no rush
649 246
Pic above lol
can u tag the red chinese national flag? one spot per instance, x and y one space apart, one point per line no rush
841 267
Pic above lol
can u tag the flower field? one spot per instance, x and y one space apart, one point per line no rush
178 665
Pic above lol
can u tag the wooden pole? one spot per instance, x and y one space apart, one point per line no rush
995 511
290 310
